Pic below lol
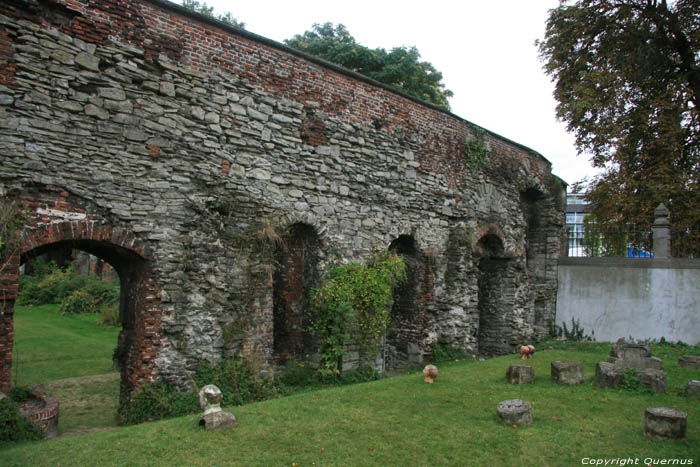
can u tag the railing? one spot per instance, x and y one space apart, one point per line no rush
685 243
617 242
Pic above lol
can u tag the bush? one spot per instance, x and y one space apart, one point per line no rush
446 353
240 380
109 315
76 293
13 426
78 302
157 401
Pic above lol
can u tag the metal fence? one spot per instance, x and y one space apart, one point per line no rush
617 242
685 243
627 242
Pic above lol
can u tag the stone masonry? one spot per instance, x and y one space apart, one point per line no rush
220 173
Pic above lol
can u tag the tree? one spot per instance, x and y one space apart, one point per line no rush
202 8
627 82
399 68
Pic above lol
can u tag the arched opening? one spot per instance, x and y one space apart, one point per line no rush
533 204
496 289
86 357
297 259
407 321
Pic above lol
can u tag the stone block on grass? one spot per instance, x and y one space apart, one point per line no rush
520 374
653 379
515 412
692 388
665 423
690 362
607 375
567 373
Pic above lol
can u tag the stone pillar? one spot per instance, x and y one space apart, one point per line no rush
661 232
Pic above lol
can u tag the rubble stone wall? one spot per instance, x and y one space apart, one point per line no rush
169 144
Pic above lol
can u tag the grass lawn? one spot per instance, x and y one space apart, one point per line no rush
72 358
404 421
50 346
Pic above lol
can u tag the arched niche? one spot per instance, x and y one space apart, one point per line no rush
407 312
496 285
297 258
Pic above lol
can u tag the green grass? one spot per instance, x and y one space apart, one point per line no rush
71 357
404 421
50 346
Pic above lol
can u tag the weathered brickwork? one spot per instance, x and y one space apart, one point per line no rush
168 144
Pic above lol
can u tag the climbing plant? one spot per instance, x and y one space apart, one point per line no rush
353 304
475 148
12 219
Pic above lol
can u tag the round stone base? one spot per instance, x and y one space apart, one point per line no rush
515 412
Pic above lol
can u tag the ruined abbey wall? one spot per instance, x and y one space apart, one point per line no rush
220 173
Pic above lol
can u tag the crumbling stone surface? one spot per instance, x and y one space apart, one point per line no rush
170 154
515 412
626 354
607 375
567 373
520 374
691 362
655 380
665 423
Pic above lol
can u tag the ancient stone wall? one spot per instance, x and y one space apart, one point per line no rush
179 149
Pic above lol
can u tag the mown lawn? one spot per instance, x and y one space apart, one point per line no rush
404 421
71 357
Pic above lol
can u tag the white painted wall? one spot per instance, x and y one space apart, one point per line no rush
641 298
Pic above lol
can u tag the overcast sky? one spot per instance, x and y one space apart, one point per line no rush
485 50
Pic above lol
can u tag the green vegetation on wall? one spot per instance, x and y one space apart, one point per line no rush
353 305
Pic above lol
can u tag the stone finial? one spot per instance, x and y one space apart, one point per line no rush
213 417
430 372
661 233
210 399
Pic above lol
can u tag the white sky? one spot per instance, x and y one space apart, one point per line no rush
485 50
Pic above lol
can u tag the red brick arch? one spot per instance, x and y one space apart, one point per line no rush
139 340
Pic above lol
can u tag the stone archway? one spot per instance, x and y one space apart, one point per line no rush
297 260
407 316
496 290
139 339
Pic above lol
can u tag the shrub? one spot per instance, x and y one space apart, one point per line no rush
240 380
156 401
78 302
446 353
76 293
13 426
109 315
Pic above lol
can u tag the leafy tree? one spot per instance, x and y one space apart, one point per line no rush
202 8
400 68
627 76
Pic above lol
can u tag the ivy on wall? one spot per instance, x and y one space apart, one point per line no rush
475 149
353 304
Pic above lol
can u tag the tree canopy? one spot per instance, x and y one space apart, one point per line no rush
206 10
627 82
399 68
